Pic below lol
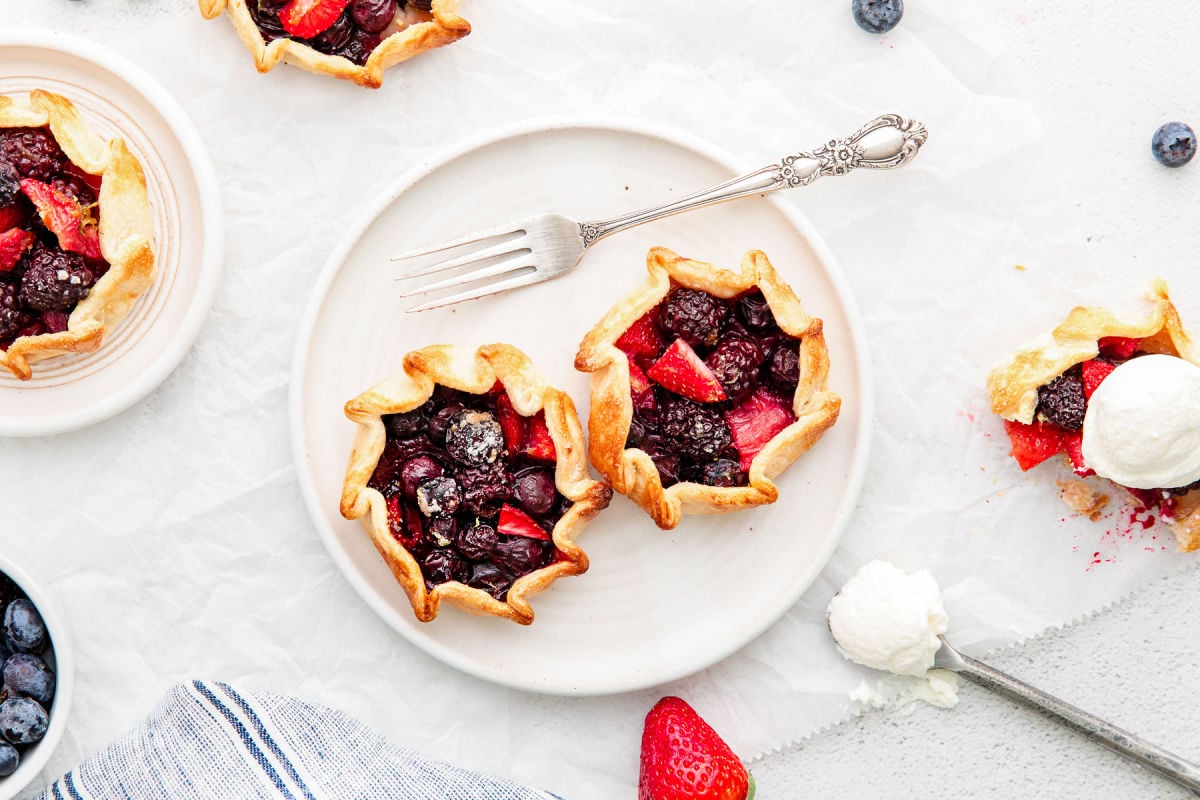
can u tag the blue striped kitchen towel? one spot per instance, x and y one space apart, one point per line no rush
210 740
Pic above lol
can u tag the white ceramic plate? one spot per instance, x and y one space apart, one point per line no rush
118 99
654 606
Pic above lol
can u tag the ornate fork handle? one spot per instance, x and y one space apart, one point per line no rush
886 142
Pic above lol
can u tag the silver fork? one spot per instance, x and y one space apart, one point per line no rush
544 246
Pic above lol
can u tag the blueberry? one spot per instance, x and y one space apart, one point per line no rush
26 675
442 530
438 497
443 566
877 16
521 555
10 759
535 490
753 310
416 471
22 720
492 579
24 631
477 542
1174 144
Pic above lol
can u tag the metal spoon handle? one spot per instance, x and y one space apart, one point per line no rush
1132 747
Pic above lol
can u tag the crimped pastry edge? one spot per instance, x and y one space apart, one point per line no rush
631 471
1013 383
126 230
445 27
473 371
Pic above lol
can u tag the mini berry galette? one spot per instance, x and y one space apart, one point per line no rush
75 232
706 384
355 40
1118 398
469 473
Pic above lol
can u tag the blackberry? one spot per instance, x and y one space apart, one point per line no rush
477 542
735 364
10 184
55 280
13 316
694 430
784 368
1062 401
33 151
474 438
373 15
486 488
438 497
753 310
694 316
442 566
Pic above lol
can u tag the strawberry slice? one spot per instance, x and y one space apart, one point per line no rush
73 224
308 18
756 421
515 522
1094 373
642 338
638 382
13 244
1117 346
538 444
512 423
682 371
1033 444
1073 446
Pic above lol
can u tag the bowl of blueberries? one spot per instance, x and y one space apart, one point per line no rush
37 673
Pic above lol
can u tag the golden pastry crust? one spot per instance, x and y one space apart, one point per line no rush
126 230
631 471
1013 383
422 32
475 372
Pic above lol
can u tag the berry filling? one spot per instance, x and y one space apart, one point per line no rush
711 381
351 29
1058 421
49 234
470 490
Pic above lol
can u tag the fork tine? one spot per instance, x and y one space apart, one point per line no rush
516 261
524 279
470 238
511 247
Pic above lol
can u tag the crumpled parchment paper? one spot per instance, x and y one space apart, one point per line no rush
175 537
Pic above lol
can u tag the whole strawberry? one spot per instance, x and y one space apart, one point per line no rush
683 758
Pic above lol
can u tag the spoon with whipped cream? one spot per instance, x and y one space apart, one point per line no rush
888 620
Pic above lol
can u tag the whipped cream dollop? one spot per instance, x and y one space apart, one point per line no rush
886 619
1142 427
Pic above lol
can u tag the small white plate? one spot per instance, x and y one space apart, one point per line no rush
118 99
654 606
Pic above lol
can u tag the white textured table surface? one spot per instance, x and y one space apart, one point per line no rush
1102 80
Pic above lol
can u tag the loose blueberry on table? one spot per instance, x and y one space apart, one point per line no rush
470 491
348 28
1173 144
711 381
28 682
1058 422
877 16
49 234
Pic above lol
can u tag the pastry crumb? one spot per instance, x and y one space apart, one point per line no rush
1082 499
1019 267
